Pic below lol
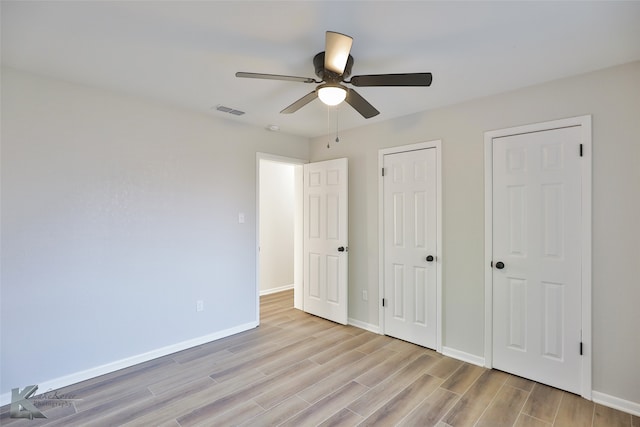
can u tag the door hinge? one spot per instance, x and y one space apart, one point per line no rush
384 302
382 171
580 150
580 348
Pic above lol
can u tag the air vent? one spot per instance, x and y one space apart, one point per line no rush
229 110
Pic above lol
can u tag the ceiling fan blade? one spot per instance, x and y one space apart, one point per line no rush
410 79
300 103
276 77
336 51
360 104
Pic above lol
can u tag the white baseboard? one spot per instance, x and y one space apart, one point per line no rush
54 384
461 355
276 290
616 403
363 325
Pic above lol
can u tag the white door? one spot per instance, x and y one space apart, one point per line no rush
325 240
537 256
410 225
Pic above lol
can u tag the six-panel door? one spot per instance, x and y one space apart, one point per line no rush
410 225
326 239
536 238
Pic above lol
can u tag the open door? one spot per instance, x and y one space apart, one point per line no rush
326 240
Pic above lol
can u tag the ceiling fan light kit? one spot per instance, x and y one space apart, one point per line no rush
332 67
332 94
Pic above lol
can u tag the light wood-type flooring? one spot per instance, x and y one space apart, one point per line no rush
300 370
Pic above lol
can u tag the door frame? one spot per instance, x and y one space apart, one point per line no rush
437 145
298 234
586 207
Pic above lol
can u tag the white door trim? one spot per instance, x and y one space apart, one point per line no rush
586 206
297 234
437 144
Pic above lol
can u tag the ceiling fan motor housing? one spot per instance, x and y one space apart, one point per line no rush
327 75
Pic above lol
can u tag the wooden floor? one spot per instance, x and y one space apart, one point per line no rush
300 370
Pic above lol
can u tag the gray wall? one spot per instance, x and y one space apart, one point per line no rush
612 97
117 215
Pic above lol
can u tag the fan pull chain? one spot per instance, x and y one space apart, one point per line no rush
337 139
328 126
336 109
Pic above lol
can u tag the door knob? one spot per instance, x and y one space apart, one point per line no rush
499 265
342 249
430 258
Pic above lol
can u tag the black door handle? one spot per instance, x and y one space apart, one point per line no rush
499 265
341 249
430 258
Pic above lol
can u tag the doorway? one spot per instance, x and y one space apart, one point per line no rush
317 245
538 252
279 226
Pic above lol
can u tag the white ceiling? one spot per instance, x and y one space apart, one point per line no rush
186 53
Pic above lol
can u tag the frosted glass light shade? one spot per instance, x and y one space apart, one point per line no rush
332 95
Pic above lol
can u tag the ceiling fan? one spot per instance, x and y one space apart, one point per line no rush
333 67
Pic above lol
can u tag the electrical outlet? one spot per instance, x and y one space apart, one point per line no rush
200 305
365 296
241 218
